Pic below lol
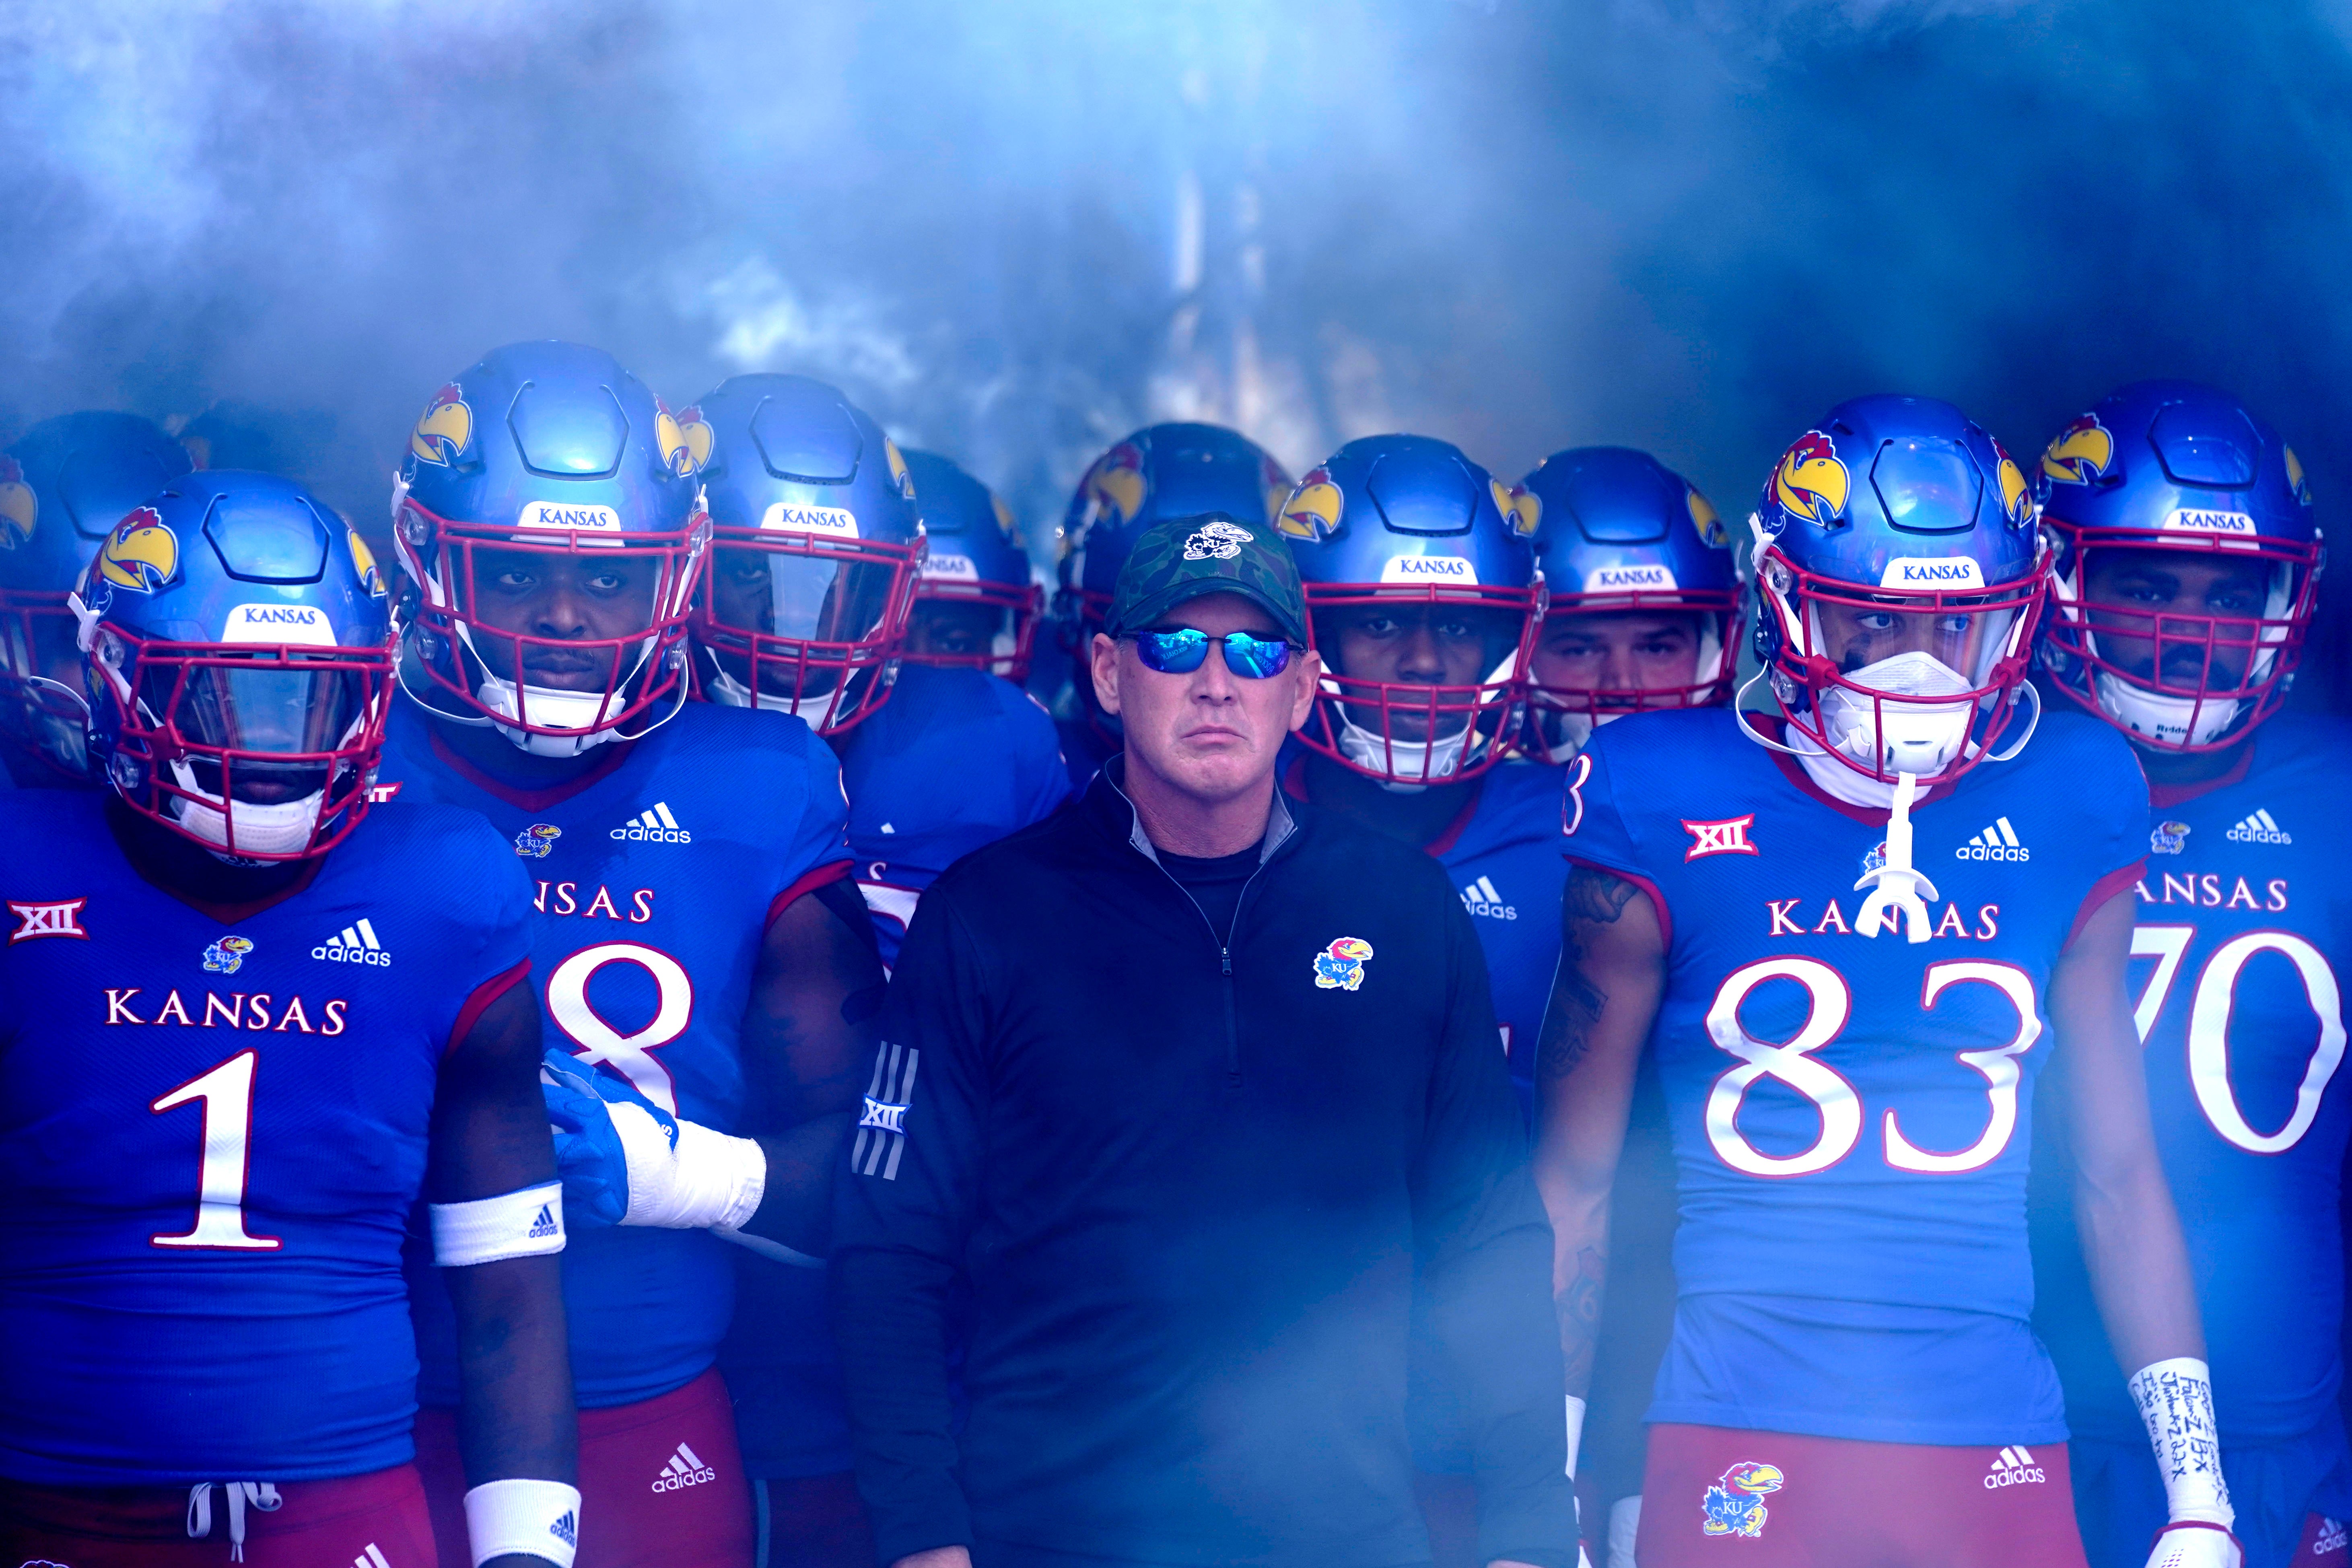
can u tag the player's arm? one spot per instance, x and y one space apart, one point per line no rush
808 1027
1604 995
2131 1236
496 1222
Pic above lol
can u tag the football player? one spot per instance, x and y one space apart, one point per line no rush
2185 567
703 959
1644 604
1854 948
1163 471
244 1031
1423 598
975 604
63 486
817 541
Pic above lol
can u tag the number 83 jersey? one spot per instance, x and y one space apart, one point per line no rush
655 875
1850 1112
2242 935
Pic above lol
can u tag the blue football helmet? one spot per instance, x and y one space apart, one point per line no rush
2175 467
548 511
1899 577
816 541
1163 471
1395 532
1621 534
975 568
237 652
63 487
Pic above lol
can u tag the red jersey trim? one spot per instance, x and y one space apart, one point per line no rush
1657 899
617 753
2122 879
488 992
808 882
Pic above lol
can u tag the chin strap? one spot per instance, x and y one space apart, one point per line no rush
1896 885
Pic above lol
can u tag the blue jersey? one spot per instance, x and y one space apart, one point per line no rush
1084 749
212 1136
955 760
655 876
2244 933
1505 860
1851 1114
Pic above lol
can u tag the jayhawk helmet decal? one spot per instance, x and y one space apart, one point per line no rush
2188 477
1417 531
20 509
1812 483
685 439
444 429
237 692
2081 453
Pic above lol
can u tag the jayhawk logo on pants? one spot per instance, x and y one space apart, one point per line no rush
1810 483
1340 966
224 956
1735 1504
141 552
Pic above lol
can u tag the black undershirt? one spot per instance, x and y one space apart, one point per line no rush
1215 882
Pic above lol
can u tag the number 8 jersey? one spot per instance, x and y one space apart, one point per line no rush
2243 931
1850 1113
656 874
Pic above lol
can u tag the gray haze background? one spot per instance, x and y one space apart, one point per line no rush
1014 230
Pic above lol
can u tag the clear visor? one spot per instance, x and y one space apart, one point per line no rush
797 605
1858 634
255 715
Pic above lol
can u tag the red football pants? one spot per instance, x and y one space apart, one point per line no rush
1714 1495
375 1520
661 1483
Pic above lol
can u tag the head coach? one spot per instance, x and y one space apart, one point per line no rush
1190 1088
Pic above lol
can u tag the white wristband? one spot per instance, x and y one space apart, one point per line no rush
706 1181
526 1223
1624 1530
537 1518
1575 1432
2176 1400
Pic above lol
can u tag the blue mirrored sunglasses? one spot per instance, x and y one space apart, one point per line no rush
1182 651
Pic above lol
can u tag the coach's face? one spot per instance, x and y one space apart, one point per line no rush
1211 734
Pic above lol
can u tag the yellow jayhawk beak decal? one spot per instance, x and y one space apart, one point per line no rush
1522 508
19 507
1711 531
141 552
444 429
1313 509
2080 453
1811 481
685 439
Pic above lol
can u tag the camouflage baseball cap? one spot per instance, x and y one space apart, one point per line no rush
1179 559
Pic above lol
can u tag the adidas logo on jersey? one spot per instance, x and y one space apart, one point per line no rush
371 1558
1480 899
684 1469
655 826
1998 842
353 944
2330 1536
2259 828
2013 1468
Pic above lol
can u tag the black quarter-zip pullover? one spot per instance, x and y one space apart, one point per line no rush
1191 1182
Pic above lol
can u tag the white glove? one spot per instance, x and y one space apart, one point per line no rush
702 1181
1625 1524
2176 1402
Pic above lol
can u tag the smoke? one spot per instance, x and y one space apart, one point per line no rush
1015 230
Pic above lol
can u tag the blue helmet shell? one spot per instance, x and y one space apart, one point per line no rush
1407 519
2179 466
64 483
554 434
233 564
1615 522
802 475
1887 480
973 554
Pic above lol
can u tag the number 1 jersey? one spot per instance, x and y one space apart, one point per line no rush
1850 1113
655 878
212 1135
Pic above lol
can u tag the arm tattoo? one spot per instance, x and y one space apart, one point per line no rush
1591 898
1578 1305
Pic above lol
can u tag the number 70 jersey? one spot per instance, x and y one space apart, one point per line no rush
1850 1112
